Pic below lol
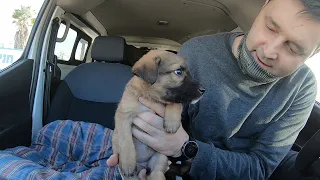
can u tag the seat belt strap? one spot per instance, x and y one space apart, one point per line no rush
50 65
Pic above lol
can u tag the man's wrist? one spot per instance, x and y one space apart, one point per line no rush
181 143
189 150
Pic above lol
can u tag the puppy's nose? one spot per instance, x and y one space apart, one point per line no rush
202 90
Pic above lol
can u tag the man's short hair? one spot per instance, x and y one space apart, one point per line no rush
312 8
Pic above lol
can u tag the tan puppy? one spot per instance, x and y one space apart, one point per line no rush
162 77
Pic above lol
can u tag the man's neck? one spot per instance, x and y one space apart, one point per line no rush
236 44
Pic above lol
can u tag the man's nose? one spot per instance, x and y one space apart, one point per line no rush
271 49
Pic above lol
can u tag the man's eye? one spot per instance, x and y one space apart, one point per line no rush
269 28
292 51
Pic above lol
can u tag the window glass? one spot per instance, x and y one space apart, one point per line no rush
314 64
63 49
17 20
81 49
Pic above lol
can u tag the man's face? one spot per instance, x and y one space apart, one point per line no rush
282 38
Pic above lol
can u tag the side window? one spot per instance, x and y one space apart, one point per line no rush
63 49
314 65
73 50
17 19
81 50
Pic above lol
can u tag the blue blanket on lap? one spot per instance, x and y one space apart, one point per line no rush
62 150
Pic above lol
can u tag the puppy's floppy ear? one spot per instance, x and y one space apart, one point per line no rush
147 69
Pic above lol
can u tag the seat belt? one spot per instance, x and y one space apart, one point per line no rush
50 65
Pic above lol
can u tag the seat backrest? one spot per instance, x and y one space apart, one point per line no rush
133 54
91 91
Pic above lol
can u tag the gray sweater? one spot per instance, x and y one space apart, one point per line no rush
244 128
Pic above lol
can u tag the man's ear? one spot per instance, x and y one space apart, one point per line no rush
147 69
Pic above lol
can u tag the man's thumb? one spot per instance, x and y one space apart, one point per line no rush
143 174
113 160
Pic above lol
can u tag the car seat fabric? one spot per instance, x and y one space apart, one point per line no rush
108 48
92 91
63 149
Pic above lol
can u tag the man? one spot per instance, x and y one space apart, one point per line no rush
259 95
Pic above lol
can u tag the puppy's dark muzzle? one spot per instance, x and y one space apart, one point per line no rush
189 90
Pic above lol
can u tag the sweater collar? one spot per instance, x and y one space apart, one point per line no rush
250 67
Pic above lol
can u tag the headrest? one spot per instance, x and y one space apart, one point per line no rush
108 49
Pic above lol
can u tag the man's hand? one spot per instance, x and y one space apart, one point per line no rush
113 160
153 133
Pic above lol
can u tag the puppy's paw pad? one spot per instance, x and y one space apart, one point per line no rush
171 126
127 165
128 172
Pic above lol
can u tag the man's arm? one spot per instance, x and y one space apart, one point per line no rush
266 151
185 119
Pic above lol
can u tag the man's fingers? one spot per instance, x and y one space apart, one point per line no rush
152 119
156 107
146 127
143 174
113 160
143 137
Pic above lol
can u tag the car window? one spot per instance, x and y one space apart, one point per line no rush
63 49
81 50
314 65
73 50
17 19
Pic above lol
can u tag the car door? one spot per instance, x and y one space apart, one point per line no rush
312 126
20 49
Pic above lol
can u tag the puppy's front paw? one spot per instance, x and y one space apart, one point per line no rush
157 175
171 126
127 165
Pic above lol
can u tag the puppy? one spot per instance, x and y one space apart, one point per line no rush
162 77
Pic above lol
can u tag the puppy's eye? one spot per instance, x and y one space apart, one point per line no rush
178 72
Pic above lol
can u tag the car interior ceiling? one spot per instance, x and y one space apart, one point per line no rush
166 25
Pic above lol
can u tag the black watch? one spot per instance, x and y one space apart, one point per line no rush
189 150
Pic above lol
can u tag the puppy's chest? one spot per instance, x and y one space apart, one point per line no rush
139 145
144 153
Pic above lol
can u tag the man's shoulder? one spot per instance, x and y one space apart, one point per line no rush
305 73
303 79
310 80
208 52
212 39
208 45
